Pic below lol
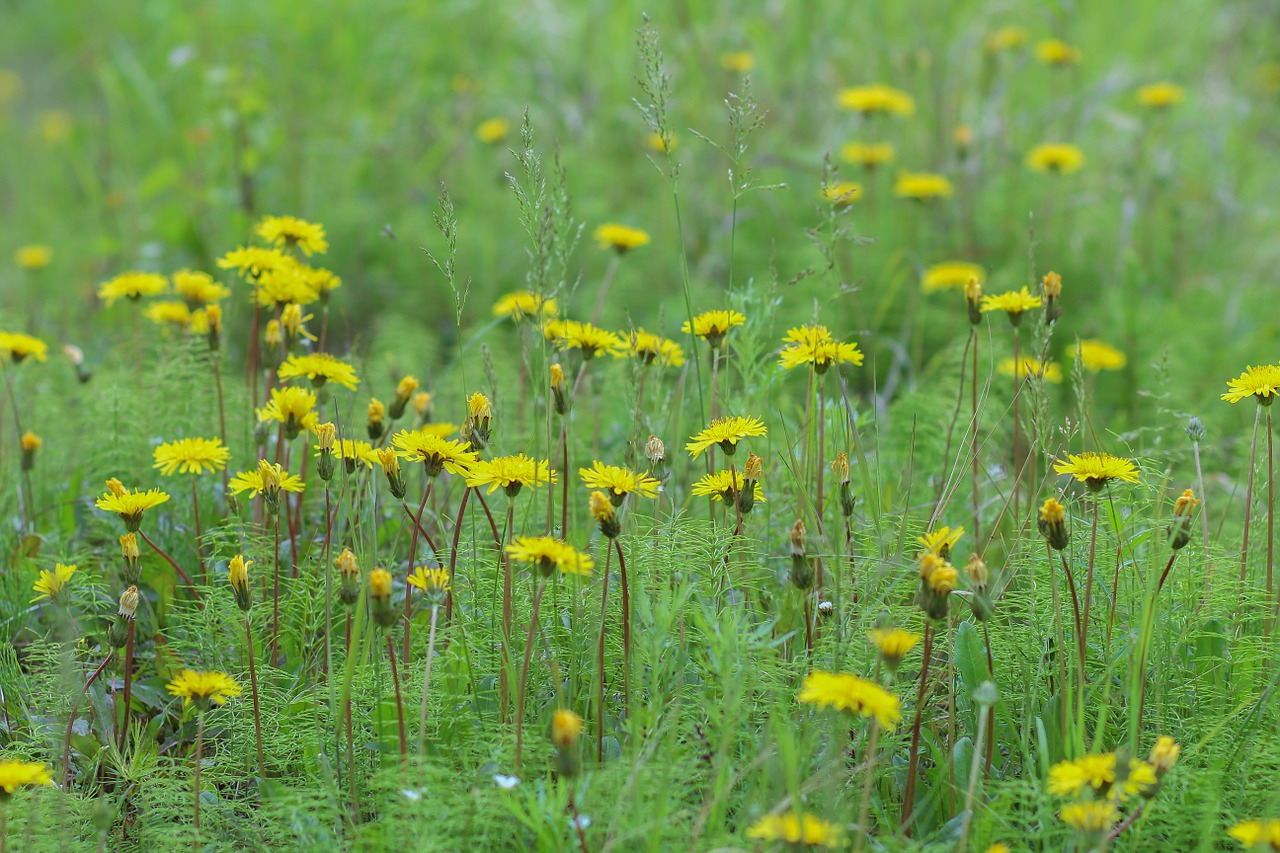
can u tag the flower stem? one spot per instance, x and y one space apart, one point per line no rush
195 505
1248 507
453 553
976 447
913 765
196 783
1088 586
128 688
426 684
413 557
864 807
253 686
604 601
395 680
71 719
524 670
185 578
275 593
1271 504
505 685
626 628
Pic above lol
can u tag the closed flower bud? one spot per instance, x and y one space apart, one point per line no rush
566 730
213 324
605 514
1180 528
1164 755
270 475
377 413
826 608
391 466
979 577
404 391
559 390
422 406
1195 430
325 435
973 300
801 568
937 580
129 551
479 418
1053 524
238 577
348 577
118 633
1052 284
273 337
30 444
655 451
380 593
753 470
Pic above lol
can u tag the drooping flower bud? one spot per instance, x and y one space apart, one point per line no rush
390 463
1183 511
238 577
1053 524
404 391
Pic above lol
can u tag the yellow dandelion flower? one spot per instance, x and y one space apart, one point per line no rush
191 456
1141 778
16 346
203 687
268 478
590 339
618 481
724 485
522 304
510 473
169 312
1161 95
132 285
1006 38
198 288
550 555
252 261
1013 302
433 582
738 61
813 346
876 99
1253 834
292 406
16 774
566 728
807 830
1096 469
435 452
951 274
290 284
1090 816
290 231
1261 382
492 130
1072 778
31 442
1057 52
726 433
868 155
648 348
940 540
845 692
923 186
841 193
129 505
52 585
1097 355
894 644
33 257
1032 368
1059 158
620 238
712 326
320 368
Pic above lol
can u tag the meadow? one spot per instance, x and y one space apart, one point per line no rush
591 427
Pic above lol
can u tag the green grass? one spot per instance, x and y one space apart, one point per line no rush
189 122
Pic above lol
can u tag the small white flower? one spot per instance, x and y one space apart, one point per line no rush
506 783
411 795
580 822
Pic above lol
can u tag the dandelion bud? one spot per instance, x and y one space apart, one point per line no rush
380 592
129 551
391 467
826 608
479 417
973 300
404 391
75 355
213 325
238 577
118 633
979 576
840 467
292 321
377 412
1052 285
1164 755
326 434
751 473
754 467
30 444
558 389
937 580
1195 430
422 406
273 338
801 568
605 514
566 729
1180 529
1053 524
348 577
270 475
962 136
